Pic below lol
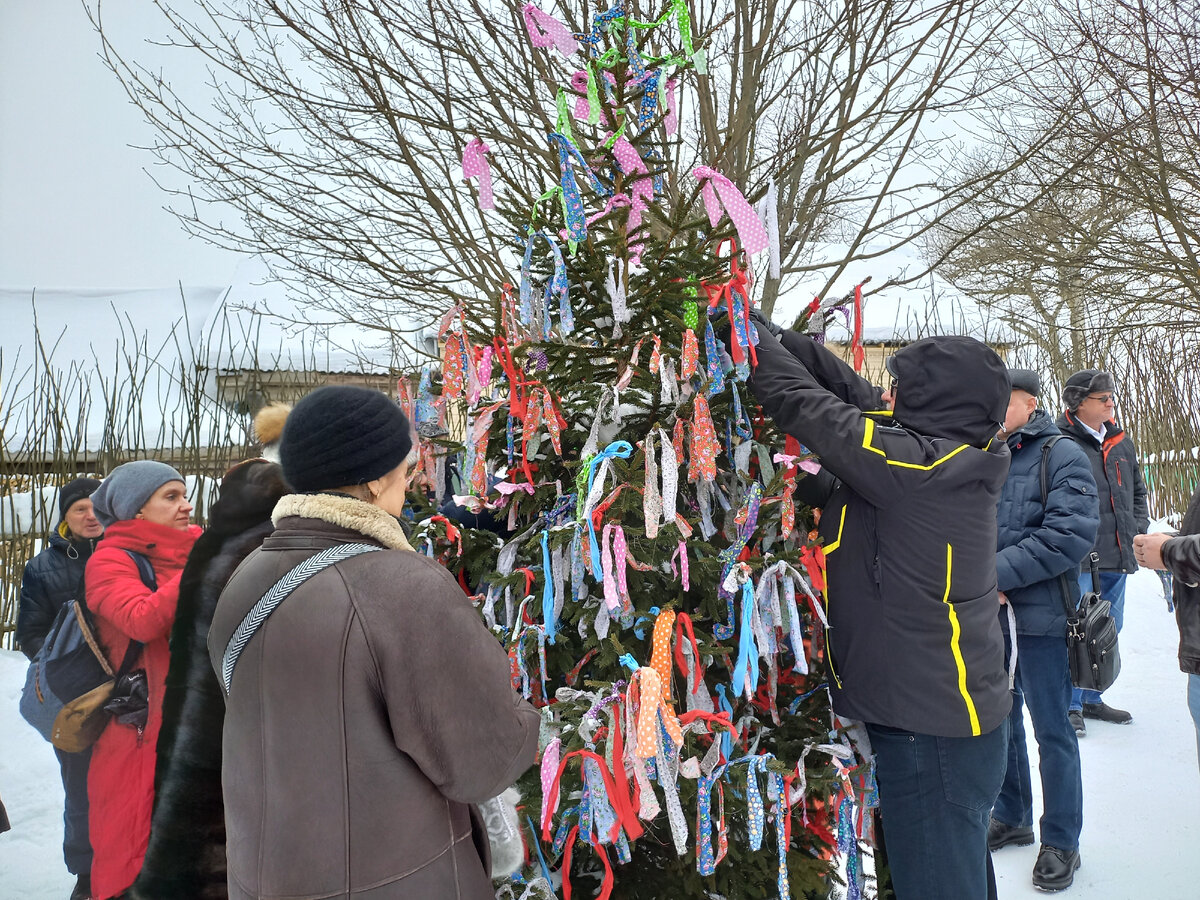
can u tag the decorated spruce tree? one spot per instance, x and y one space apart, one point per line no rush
646 564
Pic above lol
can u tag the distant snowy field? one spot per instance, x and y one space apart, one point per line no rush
1141 831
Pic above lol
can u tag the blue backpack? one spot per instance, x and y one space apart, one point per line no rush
70 678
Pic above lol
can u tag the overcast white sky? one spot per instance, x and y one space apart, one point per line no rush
77 208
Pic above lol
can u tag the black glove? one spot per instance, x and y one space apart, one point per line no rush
721 327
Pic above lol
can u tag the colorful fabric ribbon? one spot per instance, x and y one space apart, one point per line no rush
546 31
597 471
671 122
572 202
717 190
556 286
702 461
475 165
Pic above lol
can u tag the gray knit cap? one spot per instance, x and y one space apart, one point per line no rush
127 489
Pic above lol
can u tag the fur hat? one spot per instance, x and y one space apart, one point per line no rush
268 427
341 435
128 487
1083 383
74 491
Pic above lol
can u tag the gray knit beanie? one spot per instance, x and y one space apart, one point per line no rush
127 489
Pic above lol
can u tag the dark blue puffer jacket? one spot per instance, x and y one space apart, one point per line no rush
51 578
1038 543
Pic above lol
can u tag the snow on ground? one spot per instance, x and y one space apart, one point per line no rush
1141 782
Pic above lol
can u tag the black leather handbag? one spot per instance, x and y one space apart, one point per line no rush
1092 637
1092 649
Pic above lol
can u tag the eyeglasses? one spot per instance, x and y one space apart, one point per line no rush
892 387
1104 398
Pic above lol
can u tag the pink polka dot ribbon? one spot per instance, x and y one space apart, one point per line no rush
671 121
546 31
548 769
475 165
718 191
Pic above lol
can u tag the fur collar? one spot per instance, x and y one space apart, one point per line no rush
345 512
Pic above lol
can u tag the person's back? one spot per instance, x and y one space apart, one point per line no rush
372 707
909 533
185 857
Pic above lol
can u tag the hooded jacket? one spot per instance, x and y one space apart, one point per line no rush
50 580
1182 556
909 529
1124 509
185 858
1040 541
365 716
121 775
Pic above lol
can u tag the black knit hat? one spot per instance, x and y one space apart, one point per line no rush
1025 380
74 491
1081 384
338 436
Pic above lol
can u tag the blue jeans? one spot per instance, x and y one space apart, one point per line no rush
1044 685
1194 706
935 796
1112 589
77 845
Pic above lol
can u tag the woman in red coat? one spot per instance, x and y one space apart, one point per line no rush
143 506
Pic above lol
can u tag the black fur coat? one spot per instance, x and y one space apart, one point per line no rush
186 854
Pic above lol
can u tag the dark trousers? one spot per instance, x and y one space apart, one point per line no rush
1044 685
77 846
935 797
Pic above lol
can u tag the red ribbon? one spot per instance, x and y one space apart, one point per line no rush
606 887
814 563
625 816
856 344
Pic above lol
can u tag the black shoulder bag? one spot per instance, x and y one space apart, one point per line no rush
129 703
1092 648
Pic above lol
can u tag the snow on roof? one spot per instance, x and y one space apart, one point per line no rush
259 326
85 369
139 362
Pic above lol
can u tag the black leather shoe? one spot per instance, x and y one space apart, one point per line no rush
1001 835
1075 717
1104 713
1055 869
83 888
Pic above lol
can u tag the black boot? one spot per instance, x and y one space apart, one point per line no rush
1055 869
83 888
1001 835
1075 717
1105 713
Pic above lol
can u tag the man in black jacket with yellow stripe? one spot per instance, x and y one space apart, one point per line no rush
909 530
